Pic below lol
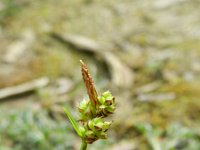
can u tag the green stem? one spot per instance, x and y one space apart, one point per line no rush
83 145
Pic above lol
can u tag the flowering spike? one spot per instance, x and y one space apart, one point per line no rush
89 84
92 112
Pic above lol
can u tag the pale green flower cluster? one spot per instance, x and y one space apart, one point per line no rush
94 127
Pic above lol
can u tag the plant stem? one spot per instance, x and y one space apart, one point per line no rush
83 145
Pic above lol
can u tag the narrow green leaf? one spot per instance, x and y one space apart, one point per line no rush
73 122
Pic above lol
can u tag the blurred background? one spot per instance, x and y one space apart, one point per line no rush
147 53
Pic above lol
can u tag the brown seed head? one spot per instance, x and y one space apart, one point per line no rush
89 84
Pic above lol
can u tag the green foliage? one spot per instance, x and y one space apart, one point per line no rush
73 122
173 138
10 9
27 130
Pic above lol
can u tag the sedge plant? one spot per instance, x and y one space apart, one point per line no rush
91 125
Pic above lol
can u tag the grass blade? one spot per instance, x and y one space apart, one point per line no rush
73 122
